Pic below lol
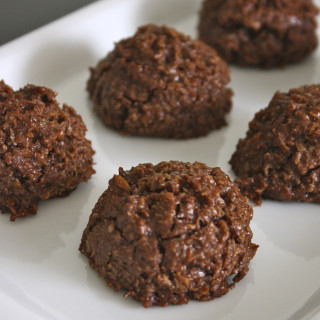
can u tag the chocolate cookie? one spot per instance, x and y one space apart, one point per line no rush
43 150
266 33
170 232
161 83
280 156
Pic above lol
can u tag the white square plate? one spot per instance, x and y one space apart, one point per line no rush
43 275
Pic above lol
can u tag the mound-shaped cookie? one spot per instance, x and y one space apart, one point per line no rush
265 33
280 156
169 233
43 150
161 83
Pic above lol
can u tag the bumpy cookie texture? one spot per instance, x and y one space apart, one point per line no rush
169 233
43 150
161 83
280 156
265 33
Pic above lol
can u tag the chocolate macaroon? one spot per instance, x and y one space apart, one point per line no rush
170 232
161 83
280 156
264 33
43 149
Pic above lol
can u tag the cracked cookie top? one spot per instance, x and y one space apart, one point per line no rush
263 33
280 156
43 150
161 83
170 232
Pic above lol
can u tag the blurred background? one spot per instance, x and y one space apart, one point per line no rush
18 17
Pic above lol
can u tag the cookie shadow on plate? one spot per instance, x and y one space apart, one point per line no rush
127 151
35 238
167 12
55 61
296 227
262 84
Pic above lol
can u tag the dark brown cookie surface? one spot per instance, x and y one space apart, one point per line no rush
265 33
280 156
161 83
169 233
43 150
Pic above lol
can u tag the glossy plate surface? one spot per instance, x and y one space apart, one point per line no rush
42 273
